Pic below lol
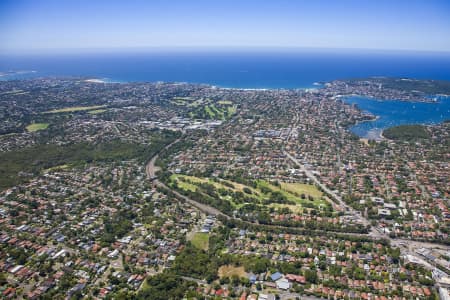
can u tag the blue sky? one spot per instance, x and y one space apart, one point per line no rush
61 25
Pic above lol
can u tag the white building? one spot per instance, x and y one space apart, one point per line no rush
443 294
283 284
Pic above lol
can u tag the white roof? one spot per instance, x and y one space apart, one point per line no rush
61 252
16 268
283 284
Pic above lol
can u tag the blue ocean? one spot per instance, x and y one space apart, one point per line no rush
247 69
255 69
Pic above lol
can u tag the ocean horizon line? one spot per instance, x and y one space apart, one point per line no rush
217 50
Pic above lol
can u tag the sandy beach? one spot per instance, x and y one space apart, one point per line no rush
94 80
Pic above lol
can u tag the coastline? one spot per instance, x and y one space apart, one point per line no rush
429 101
376 118
94 80
382 136
394 113
363 131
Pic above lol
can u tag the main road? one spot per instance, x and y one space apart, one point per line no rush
408 247
327 191
151 170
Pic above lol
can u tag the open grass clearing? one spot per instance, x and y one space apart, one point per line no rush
37 126
240 187
180 178
186 186
229 271
190 99
200 240
222 184
224 102
231 110
75 109
196 103
57 168
291 191
294 208
301 188
218 112
210 112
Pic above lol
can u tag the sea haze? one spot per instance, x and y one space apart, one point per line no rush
239 69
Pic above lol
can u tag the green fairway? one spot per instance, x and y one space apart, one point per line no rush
209 111
55 168
225 102
231 110
192 183
186 186
300 188
206 108
299 194
188 101
37 126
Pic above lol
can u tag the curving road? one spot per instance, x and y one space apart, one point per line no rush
151 170
406 246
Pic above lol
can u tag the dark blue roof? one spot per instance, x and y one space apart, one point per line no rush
275 276
252 277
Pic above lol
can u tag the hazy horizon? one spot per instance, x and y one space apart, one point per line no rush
218 50
75 26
